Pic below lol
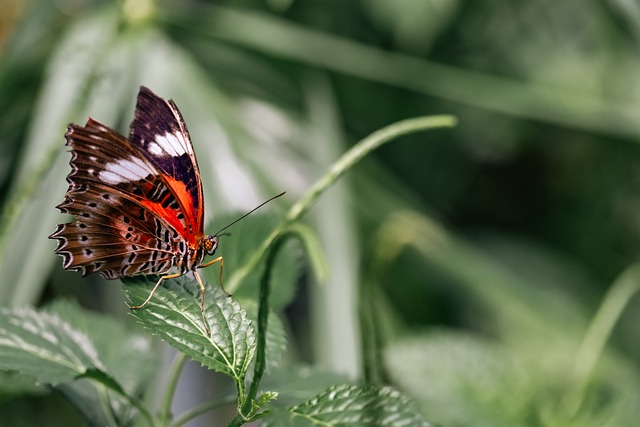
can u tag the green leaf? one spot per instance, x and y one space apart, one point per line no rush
99 407
14 384
126 353
472 380
39 183
352 405
128 356
174 314
54 348
265 398
45 347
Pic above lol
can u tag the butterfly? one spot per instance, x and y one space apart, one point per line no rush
138 202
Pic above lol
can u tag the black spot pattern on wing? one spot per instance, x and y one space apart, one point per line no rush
115 232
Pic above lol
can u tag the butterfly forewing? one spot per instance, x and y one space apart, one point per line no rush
160 133
131 216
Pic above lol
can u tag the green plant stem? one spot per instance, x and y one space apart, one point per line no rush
237 421
617 298
198 410
263 321
172 384
273 242
137 403
404 229
615 301
106 407
342 165
361 149
263 316
105 382
247 410
373 366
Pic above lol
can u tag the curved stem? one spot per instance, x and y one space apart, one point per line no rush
263 314
106 406
342 165
104 382
247 411
361 149
172 384
617 298
142 408
614 303
263 320
202 408
273 242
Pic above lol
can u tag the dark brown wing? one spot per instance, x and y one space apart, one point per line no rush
127 221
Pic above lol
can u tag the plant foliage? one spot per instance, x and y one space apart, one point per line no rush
518 227
228 343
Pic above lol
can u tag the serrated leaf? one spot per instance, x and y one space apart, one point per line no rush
45 347
265 398
353 406
127 355
174 314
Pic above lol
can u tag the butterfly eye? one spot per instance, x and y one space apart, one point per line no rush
210 244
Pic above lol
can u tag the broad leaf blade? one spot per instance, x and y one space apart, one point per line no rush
98 408
128 356
126 352
14 384
54 347
174 314
43 346
351 405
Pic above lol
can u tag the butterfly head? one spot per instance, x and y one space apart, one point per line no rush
210 244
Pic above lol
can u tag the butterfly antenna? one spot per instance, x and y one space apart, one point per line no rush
249 213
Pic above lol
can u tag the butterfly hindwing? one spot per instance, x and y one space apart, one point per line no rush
127 219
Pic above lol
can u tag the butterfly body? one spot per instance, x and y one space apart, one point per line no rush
138 201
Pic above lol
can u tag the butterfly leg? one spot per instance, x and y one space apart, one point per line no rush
153 291
221 261
204 320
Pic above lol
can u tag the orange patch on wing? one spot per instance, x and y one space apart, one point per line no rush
179 189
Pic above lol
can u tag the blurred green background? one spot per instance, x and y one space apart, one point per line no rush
487 270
